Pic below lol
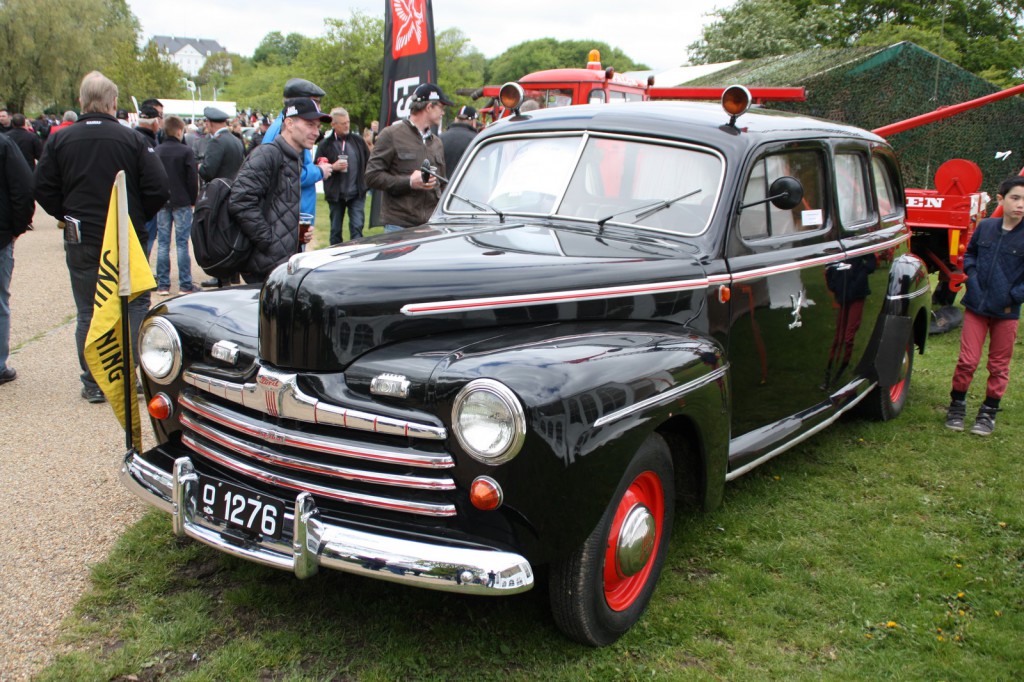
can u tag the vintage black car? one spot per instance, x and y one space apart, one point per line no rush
614 310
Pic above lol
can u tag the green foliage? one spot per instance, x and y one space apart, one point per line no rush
144 74
43 60
348 63
979 35
277 50
459 65
548 53
258 87
217 69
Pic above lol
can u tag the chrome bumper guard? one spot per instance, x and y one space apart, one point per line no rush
317 543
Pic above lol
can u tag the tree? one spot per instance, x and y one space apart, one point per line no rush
43 60
143 74
979 35
217 69
276 49
548 53
348 63
459 65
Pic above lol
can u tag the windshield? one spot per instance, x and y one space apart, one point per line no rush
605 180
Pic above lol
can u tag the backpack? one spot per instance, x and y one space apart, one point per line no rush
220 247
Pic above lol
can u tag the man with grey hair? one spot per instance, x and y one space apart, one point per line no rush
70 118
345 189
73 182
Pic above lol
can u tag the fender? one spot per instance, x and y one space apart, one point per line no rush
906 312
592 395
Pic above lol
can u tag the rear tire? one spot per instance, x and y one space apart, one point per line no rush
601 590
887 402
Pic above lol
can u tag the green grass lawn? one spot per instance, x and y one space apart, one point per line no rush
872 551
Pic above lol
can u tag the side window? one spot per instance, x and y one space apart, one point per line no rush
883 187
852 189
765 220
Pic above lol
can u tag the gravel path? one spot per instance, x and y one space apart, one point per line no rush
61 503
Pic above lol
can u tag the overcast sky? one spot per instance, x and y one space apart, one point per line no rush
655 33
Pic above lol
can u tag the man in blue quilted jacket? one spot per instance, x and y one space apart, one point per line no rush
994 265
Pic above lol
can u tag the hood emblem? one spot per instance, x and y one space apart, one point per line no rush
394 385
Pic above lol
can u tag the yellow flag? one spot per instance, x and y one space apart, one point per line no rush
106 352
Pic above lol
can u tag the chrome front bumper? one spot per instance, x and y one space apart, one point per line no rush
317 543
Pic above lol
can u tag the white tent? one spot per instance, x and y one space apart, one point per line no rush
187 108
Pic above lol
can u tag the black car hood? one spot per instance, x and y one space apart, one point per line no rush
328 307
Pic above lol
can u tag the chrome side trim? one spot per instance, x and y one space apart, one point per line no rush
278 435
268 456
665 397
913 294
315 543
732 475
374 501
278 394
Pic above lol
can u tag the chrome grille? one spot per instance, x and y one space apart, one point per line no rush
331 462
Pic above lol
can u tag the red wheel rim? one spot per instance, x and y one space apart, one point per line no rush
620 592
896 390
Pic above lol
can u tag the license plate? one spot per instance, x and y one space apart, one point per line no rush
241 508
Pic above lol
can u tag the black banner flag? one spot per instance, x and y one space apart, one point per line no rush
409 56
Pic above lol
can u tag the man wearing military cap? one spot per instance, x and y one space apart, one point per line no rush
224 153
458 136
311 172
398 155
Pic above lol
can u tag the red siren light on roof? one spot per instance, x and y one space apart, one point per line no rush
594 60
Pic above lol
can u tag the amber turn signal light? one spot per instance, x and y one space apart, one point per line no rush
736 100
160 406
485 493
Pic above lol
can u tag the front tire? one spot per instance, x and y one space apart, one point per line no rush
601 590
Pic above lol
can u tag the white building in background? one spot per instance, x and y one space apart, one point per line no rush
188 53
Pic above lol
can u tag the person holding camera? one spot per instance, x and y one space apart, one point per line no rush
408 195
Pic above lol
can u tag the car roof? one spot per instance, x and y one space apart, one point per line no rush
689 121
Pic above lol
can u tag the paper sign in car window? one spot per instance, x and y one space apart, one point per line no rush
811 218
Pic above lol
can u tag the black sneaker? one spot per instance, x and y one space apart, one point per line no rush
985 422
93 394
955 415
7 374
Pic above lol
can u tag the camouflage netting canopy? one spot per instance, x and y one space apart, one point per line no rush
875 86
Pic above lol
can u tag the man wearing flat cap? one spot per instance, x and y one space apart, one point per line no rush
265 195
458 136
224 152
311 172
398 155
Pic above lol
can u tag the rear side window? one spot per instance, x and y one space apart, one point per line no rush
852 190
765 220
884 192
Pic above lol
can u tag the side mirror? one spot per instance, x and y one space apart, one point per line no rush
785 193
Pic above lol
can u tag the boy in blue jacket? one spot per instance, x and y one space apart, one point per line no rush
994 265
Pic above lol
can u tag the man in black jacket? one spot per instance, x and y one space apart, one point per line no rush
266 193
73 182
458 136
28 142
180 164
16 209
224 152
345 189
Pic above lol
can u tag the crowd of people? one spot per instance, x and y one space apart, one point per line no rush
68 167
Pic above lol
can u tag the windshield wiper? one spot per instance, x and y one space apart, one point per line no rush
481 206
650 209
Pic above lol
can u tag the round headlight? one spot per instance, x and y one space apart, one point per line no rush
159 350
489 421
